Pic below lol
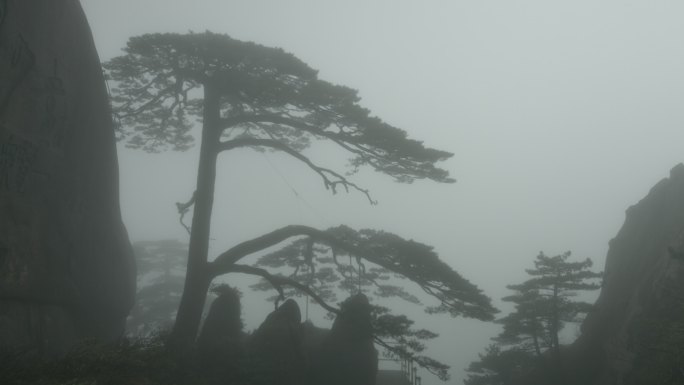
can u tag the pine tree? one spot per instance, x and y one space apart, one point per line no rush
555 282
244 95
161 271
544 305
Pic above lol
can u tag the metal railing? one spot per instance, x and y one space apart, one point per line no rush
408 369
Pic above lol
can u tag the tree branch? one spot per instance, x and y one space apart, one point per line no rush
183 209
455 294
224 261
159 97
279 281
396 167
325 173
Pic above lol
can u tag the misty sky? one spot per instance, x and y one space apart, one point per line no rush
560 115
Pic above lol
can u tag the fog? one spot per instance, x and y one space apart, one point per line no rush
560 116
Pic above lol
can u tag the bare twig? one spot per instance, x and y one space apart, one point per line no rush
331 179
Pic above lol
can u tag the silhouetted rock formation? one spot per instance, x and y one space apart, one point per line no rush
635 335
347 355
223 325
220 343
275 353
66 265
285 351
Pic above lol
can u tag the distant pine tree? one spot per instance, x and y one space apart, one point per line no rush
161 274
544 304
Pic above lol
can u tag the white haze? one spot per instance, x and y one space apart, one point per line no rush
561 114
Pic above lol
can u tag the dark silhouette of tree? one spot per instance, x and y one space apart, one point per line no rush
395 333
497 366
161 272
244 95
526 327
555 282
544 304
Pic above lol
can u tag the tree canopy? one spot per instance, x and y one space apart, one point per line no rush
269 98
387 253
548 295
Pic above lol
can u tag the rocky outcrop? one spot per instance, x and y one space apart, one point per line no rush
285 351
222 329
66 266
275 353
347 355
220 345
635 335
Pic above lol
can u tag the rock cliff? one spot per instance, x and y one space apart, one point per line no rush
66 265
635 335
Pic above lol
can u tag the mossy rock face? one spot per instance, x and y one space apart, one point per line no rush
635 334
66 265
658 343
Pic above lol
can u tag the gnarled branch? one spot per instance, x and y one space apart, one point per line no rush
325 173
400 168
183 209
456 295
278 282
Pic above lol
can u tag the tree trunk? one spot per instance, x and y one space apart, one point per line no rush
555 343
535 338
198 278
